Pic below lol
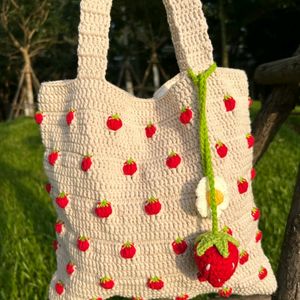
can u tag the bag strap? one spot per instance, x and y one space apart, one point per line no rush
188 27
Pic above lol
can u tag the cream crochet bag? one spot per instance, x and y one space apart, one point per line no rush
123 171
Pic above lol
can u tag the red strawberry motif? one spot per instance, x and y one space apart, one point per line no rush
173 160
258 236
221 149
262 274
83 244
186 115
95 298
155 283
59 227
250 139
114 122
182 297
242 185
229 103
179 246
86 163
59 288
244 257
48 187
70 268
103 209
106 282
128 250
153 206
227 230
255 213
55 245
129 167
225 292
62 200
253 173
150 130
52 157
250 101
137 298
70 116
39 117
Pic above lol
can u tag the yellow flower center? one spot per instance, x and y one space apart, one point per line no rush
219 197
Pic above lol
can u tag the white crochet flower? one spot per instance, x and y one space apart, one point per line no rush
203 196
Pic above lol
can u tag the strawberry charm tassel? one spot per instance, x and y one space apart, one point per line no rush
216 252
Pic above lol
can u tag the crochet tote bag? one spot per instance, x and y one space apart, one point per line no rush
124 173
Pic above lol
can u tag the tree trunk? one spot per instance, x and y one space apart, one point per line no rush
222 18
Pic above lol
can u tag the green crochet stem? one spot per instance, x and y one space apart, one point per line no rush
200 82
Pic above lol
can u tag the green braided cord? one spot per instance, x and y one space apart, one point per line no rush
200 82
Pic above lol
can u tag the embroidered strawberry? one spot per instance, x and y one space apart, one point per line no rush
225 292
258 236
128 250
55 245
103 209
106 282
83 243
173 160
221 149
250 139
48 187
229 103
70 268
255 213
242 185
250 101
59 226
62 200
114 122
155 283
262 274
150 130
59 287
253 173
52 157
86 163
153 206
227 230
186 115
182 297
70 116
244 257
179 246
129 167
39 117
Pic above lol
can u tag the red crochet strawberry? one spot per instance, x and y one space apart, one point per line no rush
262 274
70 116
48 187
39 117
258 236
186 115
179 246
52 157
250 101
229 103
150 130
59 226
155 283
86 163
129 167
83 243
227 230
242 185
255 213
95 298
59 287
173 160
62 200
114 122
221 149
250 139
153 206
217 256
103 209
70 268
225 292
244 257
182 297
128 250
253 173
55 245
106 282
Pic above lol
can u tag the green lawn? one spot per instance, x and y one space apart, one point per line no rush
27 215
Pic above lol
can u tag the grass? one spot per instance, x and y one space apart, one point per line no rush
27 215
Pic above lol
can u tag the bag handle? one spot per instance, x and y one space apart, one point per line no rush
188 27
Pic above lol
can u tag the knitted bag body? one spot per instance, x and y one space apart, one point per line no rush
124 170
